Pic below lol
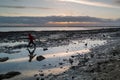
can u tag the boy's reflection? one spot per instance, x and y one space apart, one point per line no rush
31 54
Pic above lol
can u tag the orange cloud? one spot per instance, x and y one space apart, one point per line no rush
71 23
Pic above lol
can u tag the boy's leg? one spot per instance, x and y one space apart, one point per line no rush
31 43
34 44
28 44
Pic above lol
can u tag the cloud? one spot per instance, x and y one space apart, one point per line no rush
91 3
58 20
117 1
75 19
52 19
24 7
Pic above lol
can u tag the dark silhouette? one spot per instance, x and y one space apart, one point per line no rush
31 41
4 59
31 54
71 61
9 75
86 44
44 49
40 58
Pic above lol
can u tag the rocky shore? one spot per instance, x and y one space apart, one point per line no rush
49 38
102 63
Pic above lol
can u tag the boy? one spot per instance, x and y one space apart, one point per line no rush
31 40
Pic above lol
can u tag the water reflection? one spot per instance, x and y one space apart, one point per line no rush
64 54
5 29
31 53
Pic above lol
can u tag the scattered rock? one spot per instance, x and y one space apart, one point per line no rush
35 75
9 75
4 59
85 44
71 61
72 56
44 49
61 63
41 74
103 35
40 58
73 77
49 64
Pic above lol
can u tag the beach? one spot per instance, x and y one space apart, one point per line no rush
69 55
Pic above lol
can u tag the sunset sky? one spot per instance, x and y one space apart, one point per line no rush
109 9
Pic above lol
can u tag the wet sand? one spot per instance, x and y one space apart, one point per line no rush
102 55
103 63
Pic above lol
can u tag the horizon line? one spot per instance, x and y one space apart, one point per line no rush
63 16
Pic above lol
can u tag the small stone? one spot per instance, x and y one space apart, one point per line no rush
60 63
4 59
41 74
44 49
40 58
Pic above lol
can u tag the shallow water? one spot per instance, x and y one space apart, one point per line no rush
54 56
12 43
6 29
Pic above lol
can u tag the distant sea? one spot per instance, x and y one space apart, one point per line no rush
7 29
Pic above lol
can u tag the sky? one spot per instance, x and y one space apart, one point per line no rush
108 9
60 12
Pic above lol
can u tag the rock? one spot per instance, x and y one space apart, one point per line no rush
4 59
72 56
103 35
9 75
41 74
73 77
61 63
44 49
85 44
35 75
40 58
71 61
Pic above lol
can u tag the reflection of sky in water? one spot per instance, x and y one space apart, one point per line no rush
54 55
4 29
13 43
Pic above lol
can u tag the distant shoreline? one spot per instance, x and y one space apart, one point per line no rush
51 29
49 26
102 29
